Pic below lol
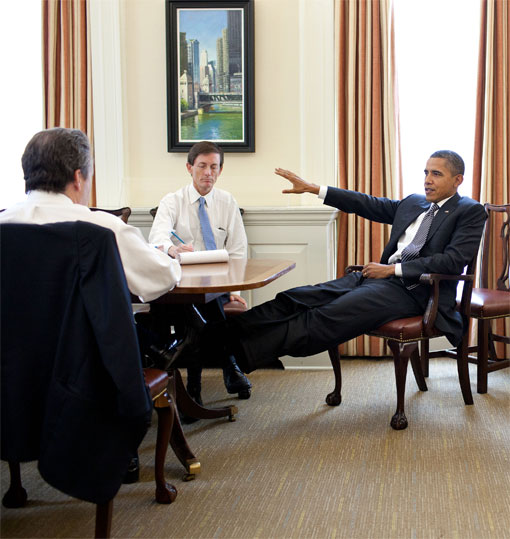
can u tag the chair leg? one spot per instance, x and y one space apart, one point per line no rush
165 493
425 355
463 370
178 440
183 451
104 513
335 397
401 354
482 359
16 496
416 364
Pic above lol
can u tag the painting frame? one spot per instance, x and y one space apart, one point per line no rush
223 86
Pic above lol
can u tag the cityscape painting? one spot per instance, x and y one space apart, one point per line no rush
210 74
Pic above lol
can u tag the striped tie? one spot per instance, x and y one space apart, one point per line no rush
412 250
205 225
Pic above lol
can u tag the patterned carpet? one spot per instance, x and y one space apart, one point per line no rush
293 467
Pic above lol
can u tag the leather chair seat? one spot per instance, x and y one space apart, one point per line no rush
489 303
404 330
156 381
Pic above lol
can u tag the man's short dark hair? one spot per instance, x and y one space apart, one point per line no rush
454 161
52 156
205 147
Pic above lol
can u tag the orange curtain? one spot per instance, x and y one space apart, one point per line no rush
368 133
491 168
67 68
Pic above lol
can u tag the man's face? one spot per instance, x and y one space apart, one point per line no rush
205 171
440 183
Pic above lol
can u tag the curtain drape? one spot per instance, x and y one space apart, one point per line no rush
368 132
67 68
491 165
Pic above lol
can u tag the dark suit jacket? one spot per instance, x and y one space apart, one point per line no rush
452 242
73 394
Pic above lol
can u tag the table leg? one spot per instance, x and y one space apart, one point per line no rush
187 406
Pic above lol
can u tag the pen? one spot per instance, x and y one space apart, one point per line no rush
174 234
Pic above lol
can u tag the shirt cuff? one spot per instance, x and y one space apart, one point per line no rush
398 270
323 191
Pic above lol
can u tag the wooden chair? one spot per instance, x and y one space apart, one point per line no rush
403 336
123 213
156 382
489 302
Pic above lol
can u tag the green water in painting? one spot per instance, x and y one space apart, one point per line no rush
221 125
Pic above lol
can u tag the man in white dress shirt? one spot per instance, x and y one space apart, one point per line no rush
178 213
58 168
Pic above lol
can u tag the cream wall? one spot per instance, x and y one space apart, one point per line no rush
294 105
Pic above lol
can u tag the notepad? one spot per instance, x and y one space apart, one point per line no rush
203 257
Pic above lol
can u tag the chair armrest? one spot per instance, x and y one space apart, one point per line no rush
350 269
433 279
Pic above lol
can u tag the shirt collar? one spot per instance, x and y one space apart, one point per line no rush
194 195
444 201
45 197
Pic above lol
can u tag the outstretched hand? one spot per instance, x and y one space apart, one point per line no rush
298 184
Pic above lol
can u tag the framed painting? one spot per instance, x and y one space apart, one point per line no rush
210 74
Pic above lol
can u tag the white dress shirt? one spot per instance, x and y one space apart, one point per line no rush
405 239
178 212
149 272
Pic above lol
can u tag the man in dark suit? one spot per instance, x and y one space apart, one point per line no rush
310 319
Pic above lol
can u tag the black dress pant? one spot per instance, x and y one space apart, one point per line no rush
163 316
310 319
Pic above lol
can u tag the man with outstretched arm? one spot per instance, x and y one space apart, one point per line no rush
438 232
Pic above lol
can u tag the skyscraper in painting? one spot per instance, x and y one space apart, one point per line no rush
235 41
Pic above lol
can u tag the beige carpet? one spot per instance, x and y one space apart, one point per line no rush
292 467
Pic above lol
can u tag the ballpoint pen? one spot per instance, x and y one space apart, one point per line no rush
180 239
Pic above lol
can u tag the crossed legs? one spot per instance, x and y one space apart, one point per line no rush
310 319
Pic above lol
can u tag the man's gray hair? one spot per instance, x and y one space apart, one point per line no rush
52 156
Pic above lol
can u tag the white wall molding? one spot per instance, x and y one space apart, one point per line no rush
288 216
107 103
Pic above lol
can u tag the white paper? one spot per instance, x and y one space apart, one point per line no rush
203 257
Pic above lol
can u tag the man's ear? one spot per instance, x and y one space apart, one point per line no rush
77 180
458 179
188 166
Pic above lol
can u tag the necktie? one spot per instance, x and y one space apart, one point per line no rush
412 250
205 225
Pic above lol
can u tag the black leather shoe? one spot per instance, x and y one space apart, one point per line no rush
162 358
235 380
133 472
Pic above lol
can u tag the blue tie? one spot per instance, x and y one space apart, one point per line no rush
205 225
